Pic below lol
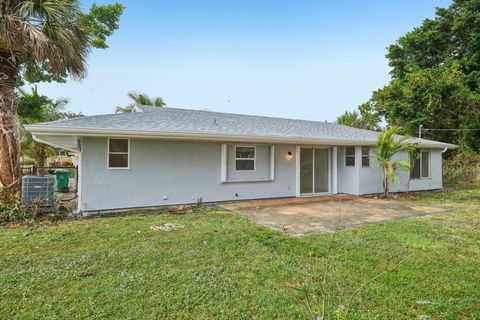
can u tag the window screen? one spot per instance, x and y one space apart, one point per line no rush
118 150
350 156
365 156
244 158
425 164
420 167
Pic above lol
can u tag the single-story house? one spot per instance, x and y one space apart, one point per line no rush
168 156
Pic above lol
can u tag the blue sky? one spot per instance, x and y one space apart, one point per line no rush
296 59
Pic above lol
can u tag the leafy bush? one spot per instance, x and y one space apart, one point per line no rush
14 214
12 211
462 169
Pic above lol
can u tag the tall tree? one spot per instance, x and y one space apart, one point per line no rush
436 77
141 99
452 36
387 146
33 108
437 98
365 118
42 41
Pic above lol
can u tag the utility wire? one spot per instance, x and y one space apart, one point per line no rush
421 130
447 130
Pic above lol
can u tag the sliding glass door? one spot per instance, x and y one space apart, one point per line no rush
306 170
314 170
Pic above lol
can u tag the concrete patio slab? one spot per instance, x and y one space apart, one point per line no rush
299 216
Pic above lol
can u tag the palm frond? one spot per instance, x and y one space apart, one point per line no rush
389 144
126 109
46 30
140 99
158 102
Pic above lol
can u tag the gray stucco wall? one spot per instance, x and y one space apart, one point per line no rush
180 170
347 176
176 172
370 178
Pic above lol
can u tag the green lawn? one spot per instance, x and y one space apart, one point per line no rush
226 267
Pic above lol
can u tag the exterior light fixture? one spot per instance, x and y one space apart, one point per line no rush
289 155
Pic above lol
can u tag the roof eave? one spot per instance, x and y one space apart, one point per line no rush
91 132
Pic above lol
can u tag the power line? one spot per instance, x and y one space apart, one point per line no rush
448 129
421 129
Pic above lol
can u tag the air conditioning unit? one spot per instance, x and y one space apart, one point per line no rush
39 190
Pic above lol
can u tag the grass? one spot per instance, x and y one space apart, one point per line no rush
226 267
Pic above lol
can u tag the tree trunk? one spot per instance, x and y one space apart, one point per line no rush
40 157
9 131
387 187
40 160
385 183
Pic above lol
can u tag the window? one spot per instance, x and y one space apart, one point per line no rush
244 158
365 156
118 153
350 156
425 164
420 166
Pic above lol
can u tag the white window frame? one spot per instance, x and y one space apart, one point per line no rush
421 165
366 156
108 154
350 156
250 159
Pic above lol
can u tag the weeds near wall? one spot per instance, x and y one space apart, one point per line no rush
13 214
199 204
462 170
11 211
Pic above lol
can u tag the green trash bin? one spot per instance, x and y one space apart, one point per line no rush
62 180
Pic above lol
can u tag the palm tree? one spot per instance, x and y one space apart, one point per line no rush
361 120
387 146
33 108
34 33
351 119
141 99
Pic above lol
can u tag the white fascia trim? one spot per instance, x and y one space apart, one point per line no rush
89 132
53 144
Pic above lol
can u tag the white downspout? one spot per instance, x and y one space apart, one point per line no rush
79 177
443 151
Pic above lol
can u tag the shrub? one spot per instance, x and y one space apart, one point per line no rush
12 211
462 169
14 214
8 197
